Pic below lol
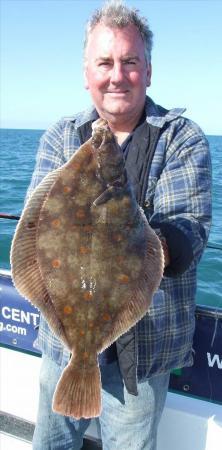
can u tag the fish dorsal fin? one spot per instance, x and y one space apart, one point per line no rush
25 270
23 250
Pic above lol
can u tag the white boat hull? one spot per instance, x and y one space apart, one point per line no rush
186 424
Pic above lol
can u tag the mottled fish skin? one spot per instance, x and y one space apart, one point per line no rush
98 260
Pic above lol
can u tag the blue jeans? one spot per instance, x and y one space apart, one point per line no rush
127 421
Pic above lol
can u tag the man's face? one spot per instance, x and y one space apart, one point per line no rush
116 71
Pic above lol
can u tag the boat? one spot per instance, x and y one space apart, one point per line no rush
192 418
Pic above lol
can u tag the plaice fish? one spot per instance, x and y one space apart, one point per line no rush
85 255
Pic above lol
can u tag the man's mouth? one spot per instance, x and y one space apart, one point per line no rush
117 93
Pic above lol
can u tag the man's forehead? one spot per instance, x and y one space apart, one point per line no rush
125 56
127 41
102 31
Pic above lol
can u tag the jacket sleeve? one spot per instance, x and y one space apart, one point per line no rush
50 155
182 200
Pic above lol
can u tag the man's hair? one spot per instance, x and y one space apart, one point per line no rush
117 15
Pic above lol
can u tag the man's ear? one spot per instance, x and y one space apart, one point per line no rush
149 74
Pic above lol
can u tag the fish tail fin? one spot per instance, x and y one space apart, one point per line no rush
78 392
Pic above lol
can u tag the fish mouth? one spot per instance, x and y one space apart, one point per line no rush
99 138
101 133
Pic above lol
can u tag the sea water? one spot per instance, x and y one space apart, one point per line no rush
18 153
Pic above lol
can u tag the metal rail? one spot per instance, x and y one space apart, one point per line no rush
9 216
23 429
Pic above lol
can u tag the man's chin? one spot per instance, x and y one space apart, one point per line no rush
117 110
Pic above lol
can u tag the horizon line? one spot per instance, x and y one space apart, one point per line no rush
44 129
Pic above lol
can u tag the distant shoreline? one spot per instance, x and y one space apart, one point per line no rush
24 129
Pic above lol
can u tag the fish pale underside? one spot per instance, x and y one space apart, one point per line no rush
85 255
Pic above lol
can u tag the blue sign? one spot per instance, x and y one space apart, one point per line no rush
204 378
19 320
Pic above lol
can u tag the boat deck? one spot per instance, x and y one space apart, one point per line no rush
194 424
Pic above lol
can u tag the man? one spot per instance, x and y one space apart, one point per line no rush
168 164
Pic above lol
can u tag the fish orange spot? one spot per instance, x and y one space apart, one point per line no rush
82 332
127 201
56 263
91 324
85 355
117 237
84 250
30 225
56 223
122 278
87 295
88 228
80 214
88 150
76 165
120 259
106 317
68 309
66 189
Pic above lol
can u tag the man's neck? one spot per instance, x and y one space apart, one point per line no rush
121 136
122 129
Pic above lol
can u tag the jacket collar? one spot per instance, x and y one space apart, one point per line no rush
158 116
155 114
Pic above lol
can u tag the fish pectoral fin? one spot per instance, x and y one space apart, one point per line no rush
103 198
114 189
78 392
111 192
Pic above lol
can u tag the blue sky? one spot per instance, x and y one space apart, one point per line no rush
41 59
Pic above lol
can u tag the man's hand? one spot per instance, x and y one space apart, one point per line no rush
164 247
165 251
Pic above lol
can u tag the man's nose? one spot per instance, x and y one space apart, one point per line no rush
117 73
